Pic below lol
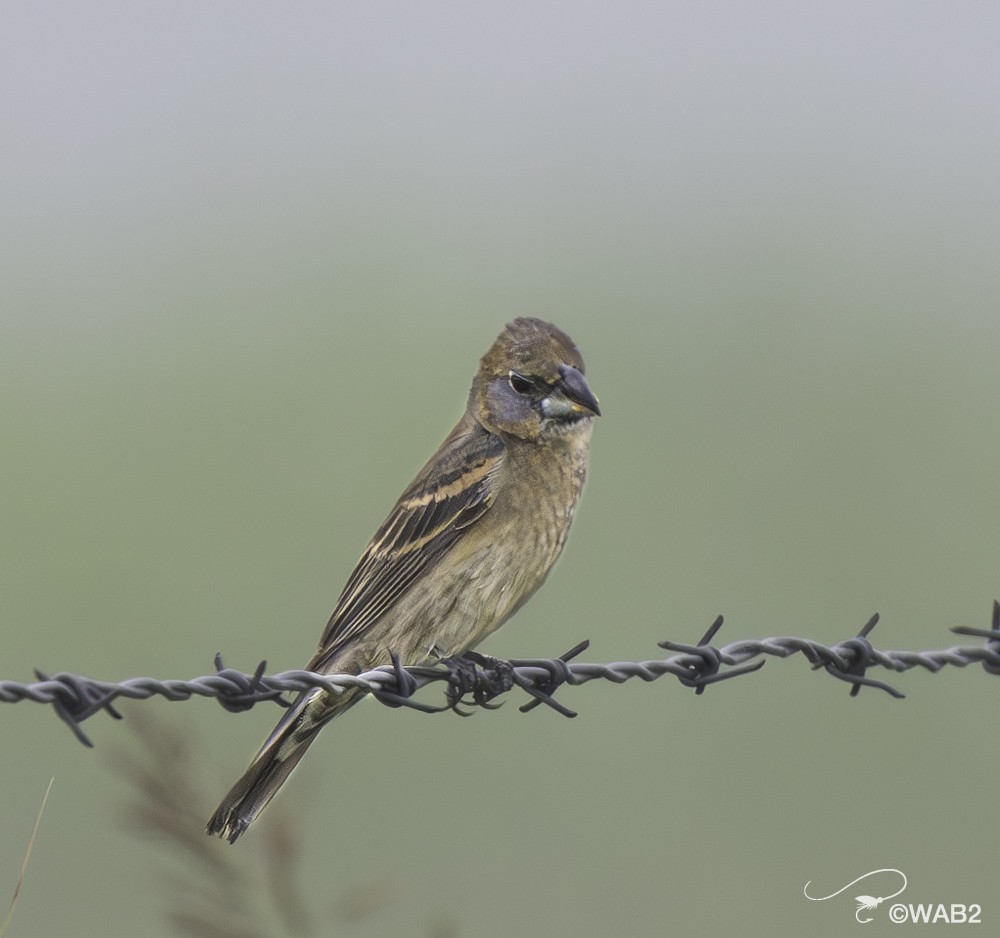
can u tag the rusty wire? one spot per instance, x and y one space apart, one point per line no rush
475 680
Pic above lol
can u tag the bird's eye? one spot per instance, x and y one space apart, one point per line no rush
520 383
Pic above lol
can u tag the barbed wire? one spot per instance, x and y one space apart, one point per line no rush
476 680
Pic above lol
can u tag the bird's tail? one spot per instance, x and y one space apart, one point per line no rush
277 757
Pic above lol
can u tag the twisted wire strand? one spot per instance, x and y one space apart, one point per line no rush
475 680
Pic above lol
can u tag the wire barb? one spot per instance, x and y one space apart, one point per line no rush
993 636
708 672
474 680
240 691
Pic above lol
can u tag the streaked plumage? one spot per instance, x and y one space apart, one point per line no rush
469 541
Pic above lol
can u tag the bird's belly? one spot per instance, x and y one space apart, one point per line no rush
448 618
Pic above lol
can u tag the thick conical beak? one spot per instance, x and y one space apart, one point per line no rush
571 396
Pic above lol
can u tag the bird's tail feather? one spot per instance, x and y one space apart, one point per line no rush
274 763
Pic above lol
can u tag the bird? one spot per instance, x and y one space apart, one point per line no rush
469 541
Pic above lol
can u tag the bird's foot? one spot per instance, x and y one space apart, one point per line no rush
480 677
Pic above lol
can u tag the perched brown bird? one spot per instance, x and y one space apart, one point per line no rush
467 544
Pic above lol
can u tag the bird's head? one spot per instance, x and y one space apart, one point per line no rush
530 383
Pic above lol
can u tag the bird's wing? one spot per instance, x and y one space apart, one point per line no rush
453 491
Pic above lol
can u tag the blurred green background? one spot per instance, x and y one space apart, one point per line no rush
250 257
